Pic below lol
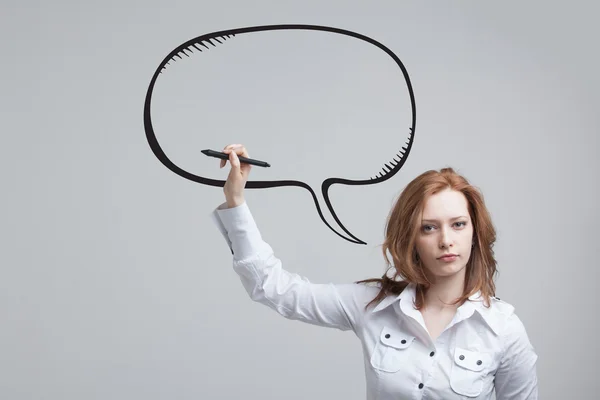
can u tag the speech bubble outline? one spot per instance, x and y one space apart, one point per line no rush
390 168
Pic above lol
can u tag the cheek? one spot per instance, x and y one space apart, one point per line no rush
423 247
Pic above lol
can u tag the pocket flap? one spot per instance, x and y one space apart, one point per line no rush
471 360
395 339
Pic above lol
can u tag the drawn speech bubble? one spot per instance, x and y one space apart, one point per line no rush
333 102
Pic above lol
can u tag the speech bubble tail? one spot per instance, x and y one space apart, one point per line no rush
271 184
353 239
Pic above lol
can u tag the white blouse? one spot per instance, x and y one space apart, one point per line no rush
482 349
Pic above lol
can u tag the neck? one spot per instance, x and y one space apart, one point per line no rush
444 291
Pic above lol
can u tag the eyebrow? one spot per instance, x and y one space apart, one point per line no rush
435 220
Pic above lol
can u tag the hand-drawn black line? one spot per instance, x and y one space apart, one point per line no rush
201 43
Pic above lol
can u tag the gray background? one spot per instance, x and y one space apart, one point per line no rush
115 284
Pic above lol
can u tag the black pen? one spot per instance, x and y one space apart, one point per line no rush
224 156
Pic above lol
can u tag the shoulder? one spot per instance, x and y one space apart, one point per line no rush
499 316
360 292
358 297
501 308
508 325
513 336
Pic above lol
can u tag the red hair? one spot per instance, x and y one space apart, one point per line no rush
402 227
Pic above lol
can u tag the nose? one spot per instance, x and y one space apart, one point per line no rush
445 239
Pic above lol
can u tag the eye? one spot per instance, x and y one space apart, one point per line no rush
427 226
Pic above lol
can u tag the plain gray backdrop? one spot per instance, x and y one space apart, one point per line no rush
114 282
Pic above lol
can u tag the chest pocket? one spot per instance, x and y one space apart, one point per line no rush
468 371
391 351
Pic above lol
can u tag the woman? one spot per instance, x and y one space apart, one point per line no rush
440 332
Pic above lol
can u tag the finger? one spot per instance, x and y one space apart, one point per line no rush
241 151
234 160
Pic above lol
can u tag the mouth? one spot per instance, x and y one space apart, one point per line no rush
448 257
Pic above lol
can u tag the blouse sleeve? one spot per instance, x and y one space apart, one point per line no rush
516 378
291 295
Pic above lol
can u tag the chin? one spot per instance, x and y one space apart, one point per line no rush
448 271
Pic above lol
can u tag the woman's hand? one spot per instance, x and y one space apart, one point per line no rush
238 175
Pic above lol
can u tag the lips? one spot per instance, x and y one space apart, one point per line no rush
448 256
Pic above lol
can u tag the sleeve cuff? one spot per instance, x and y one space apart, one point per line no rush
239 229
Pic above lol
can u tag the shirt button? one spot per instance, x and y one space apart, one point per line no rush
478 362
431 354
387 335
403 341
420 386
461 357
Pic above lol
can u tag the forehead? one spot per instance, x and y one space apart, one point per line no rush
445 205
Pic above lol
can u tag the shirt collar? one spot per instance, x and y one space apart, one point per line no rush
474 304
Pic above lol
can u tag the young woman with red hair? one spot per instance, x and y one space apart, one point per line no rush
432 330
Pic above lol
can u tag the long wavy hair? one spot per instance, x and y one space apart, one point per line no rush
402 228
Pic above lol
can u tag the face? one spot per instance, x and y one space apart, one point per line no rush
445 228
